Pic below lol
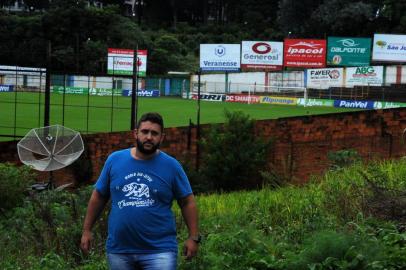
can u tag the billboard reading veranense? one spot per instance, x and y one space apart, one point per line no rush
121 61
265 55
389 48
347 51
305 53
220 57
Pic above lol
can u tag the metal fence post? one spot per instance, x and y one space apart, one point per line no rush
47 86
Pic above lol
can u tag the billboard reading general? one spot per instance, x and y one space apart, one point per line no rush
305 53
264 55
121 62
220 57
346 51
389 48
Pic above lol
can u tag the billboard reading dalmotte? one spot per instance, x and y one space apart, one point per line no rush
220 57
348 51
389 48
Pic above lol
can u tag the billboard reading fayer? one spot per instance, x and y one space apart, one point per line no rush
324 78
306 53
389 48
265 55
346 51
121 62
220 57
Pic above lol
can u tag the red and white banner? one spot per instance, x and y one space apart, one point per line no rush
242 98
305 53
261 55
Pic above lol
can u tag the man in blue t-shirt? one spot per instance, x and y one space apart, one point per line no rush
142 182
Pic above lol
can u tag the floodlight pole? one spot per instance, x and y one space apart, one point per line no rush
198 123
134 89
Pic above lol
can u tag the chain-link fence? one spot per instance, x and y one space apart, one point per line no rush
86 103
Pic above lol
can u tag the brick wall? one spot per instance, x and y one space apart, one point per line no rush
300 146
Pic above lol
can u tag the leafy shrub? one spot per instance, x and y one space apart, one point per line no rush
343 158
51 222
233 155
14 182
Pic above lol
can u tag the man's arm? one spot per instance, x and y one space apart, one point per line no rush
189 213
95 207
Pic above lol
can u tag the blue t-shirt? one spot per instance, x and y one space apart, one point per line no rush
141 192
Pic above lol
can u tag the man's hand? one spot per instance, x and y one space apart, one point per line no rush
85 242
190 248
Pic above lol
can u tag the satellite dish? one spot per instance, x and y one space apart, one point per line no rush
50 148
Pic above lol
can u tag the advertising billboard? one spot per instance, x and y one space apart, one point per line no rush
142 93
354 104
324 78
6 88
265 55
278 100
347 51
389 48
220 57
371 75
242 98
310 102
209 97
305 53
120 62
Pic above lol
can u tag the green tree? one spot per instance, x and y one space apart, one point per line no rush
233 155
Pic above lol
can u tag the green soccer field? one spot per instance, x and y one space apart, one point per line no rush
22 111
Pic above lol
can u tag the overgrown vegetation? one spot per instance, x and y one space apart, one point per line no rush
233 155
326 224
14 182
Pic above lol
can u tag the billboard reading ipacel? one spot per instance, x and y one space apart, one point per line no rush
307 53
389 48
265 55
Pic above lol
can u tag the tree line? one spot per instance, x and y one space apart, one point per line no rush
76 34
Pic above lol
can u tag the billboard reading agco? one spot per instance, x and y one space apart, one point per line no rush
346 51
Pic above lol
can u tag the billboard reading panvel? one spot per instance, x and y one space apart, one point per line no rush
389 48
346 51
121 62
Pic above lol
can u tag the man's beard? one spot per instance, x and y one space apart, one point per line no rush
141 148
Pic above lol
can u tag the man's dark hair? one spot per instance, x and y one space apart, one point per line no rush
153 117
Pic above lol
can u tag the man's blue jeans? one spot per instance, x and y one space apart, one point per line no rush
156 261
